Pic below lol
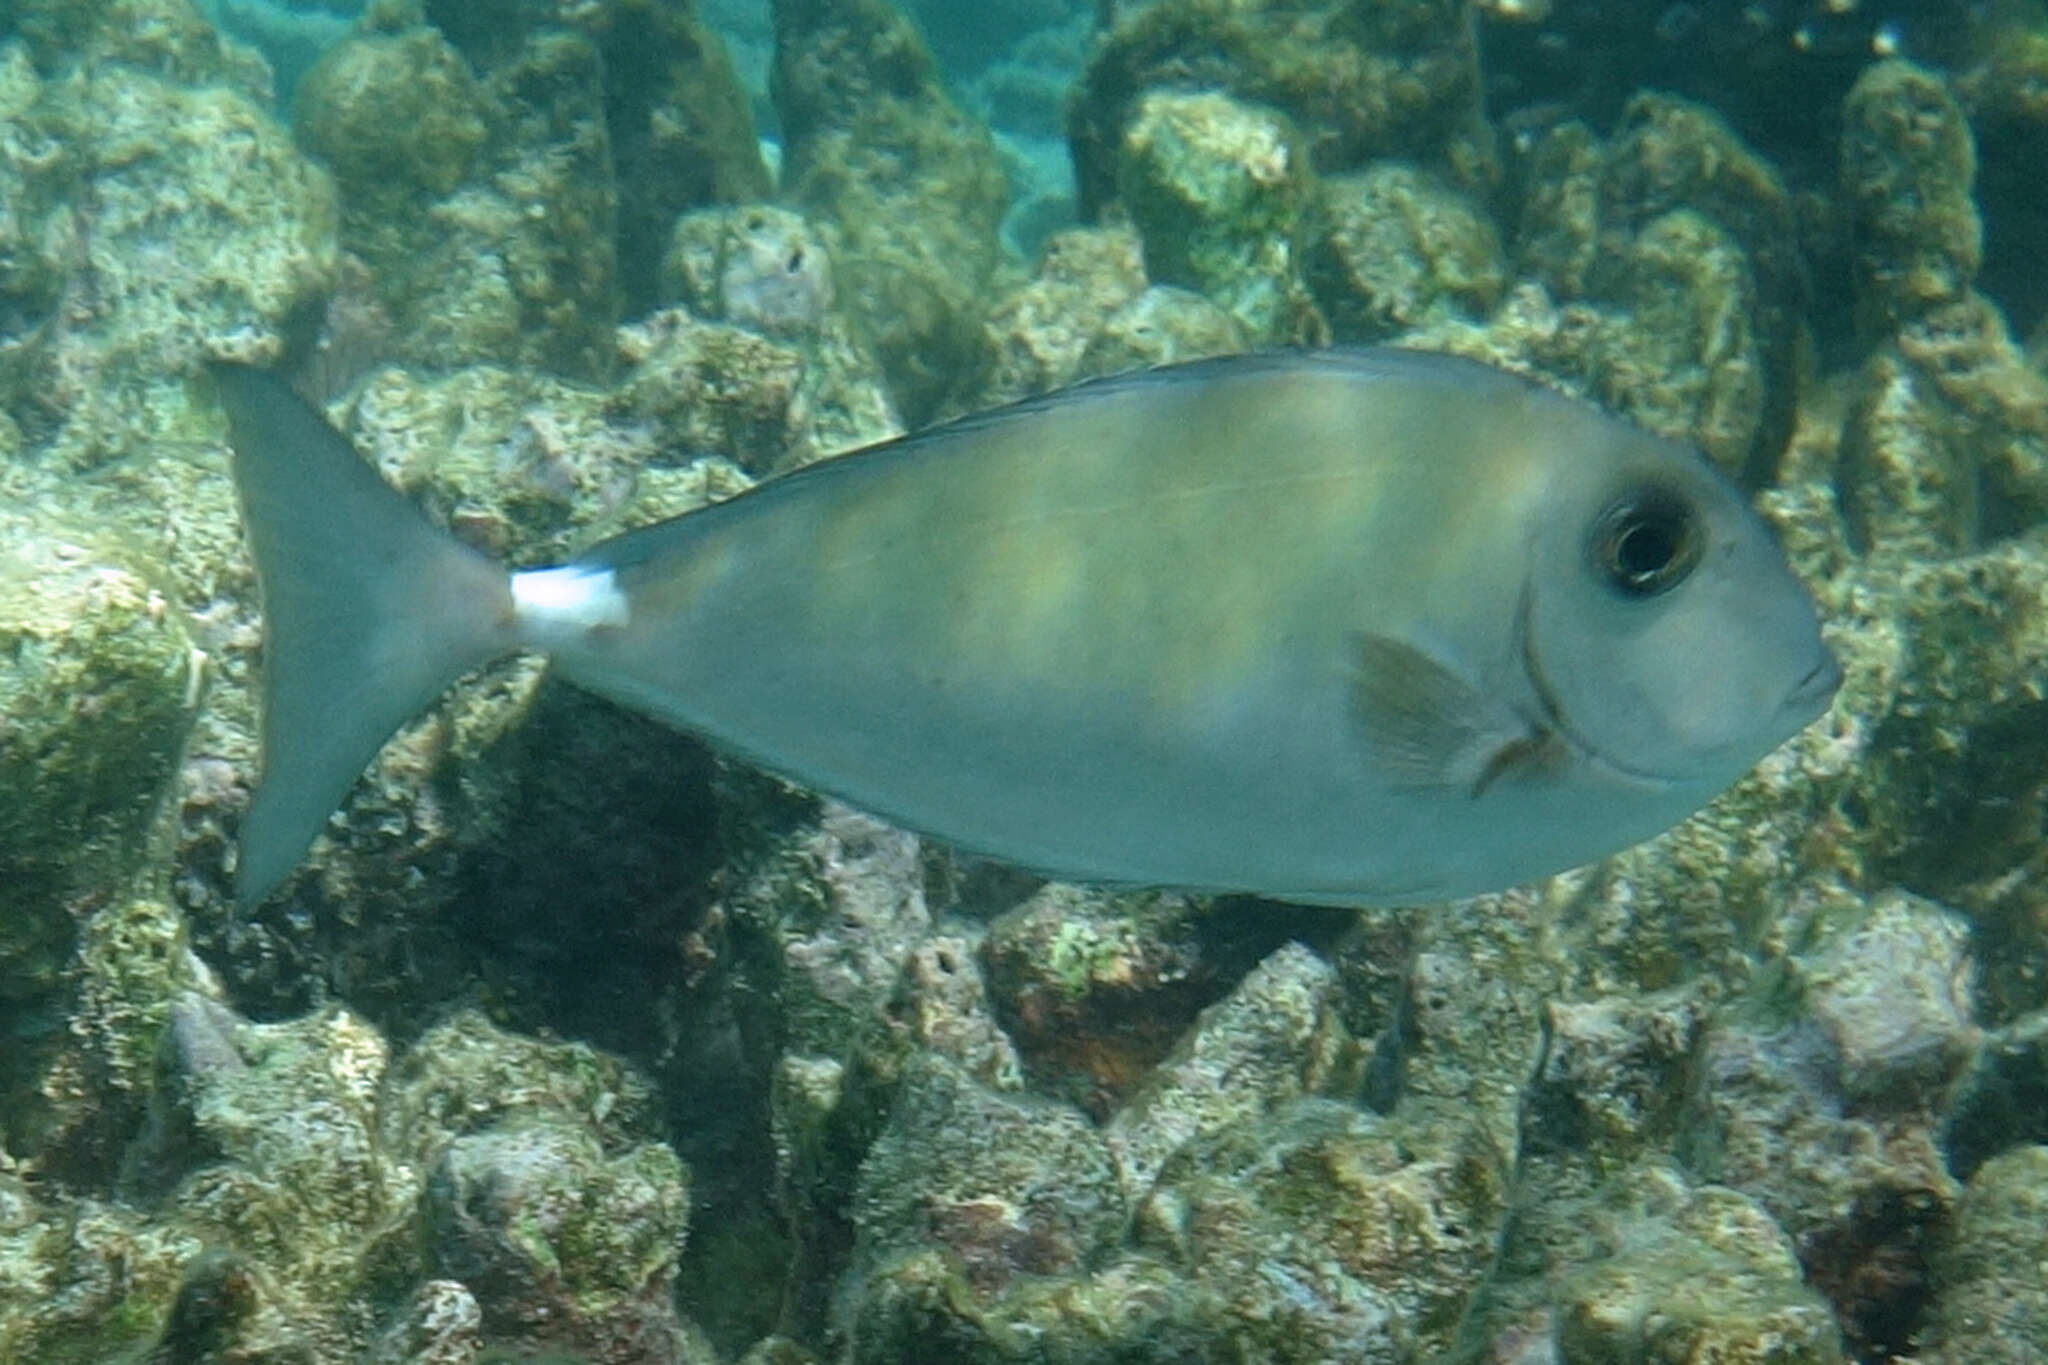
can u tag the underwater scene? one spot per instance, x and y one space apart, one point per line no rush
1485 803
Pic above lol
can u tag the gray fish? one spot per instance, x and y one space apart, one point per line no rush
1342 627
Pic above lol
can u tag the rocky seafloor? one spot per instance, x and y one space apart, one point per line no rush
575 1042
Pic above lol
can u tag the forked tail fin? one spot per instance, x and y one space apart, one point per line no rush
369 613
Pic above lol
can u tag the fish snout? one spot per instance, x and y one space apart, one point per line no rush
1812 694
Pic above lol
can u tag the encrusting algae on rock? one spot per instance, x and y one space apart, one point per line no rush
1767 1087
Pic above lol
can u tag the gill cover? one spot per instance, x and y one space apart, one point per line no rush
1664 628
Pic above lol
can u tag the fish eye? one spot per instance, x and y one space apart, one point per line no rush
1647 541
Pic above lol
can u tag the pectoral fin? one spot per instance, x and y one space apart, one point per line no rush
1428 726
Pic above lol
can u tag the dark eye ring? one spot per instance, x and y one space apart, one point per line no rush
1646 542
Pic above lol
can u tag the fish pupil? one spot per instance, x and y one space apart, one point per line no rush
1648 544
1645 550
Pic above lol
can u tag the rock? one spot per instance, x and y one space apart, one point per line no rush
827 919
1677 249
1990 1306
1394 248
944 1003
2003 1100
287 1168
441 1325
565 1246
546 1194
511 172
1892 993
1951 764
1463 1029
756 266
1685 354
1316 1232
225 1307
921 1308
1162 326
395 116
1098 987
1274 1038
777 1350
1089 312
1946 444
1907 166
1217 190
1777 73
175 39
910 187
1038 333
95 706
2001 91
1397 81
173 223
1004 1186
491 232
75 1097
1693 1275
519 465
838 914
296 1153
716 389
468 1076
88 1279
676 123
1859 1186
787 380
1612 1079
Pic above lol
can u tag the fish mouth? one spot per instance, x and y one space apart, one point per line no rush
1814 693
1554 720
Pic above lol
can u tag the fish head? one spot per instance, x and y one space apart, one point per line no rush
1661 629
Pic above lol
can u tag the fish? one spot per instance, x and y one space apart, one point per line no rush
1350 626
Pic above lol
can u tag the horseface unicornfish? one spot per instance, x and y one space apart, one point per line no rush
1342 627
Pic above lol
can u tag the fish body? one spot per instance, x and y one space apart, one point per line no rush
1339 626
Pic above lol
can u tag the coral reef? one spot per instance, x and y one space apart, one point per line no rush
1691 1275
1398 249
910 186
447 128
144 223
1216 188
1089 311
516 1177
100 690
767 272
1682 246
1991 1305
1771 1087
171 38
1394 81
